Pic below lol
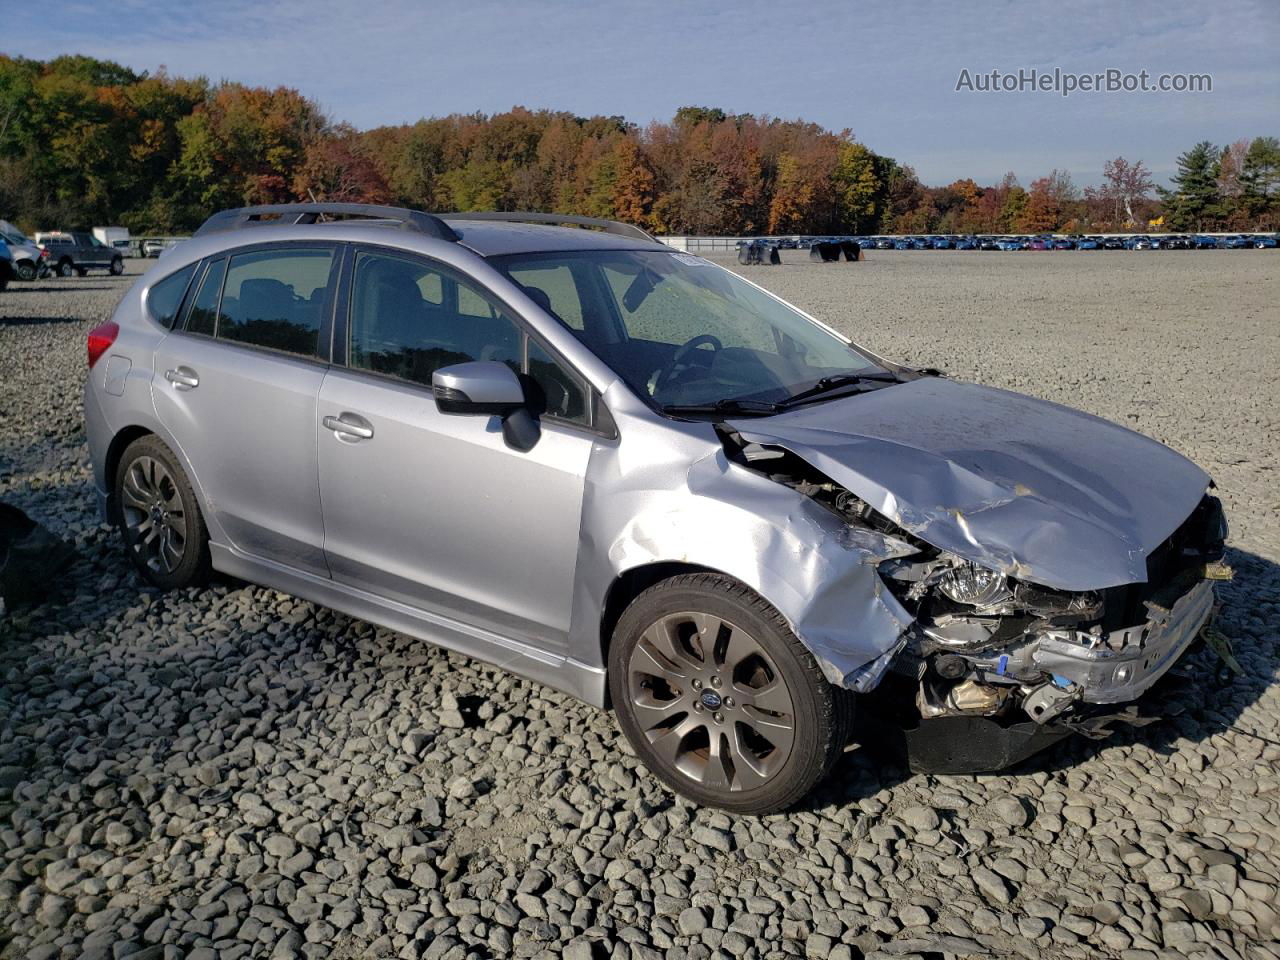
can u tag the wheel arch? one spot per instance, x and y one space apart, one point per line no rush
111 463
628 585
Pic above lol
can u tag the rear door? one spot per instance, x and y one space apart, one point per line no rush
236 384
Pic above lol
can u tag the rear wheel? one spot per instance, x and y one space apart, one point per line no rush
159 518
117 267
66 268
720 699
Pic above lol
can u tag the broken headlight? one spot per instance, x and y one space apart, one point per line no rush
973 585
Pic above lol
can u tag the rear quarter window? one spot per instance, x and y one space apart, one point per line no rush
165 297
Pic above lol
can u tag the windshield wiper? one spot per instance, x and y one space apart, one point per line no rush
757 408
826 385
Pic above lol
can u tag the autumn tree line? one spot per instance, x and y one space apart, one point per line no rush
85 141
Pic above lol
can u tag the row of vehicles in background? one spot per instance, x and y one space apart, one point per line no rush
1077 242
68 253
1242 241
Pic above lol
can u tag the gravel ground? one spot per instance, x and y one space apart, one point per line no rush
234 773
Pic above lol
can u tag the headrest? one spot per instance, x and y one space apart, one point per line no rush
538 296
265 298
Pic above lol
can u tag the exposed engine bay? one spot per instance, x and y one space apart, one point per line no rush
985 644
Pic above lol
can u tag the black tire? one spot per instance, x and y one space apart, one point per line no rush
117 267
26 271
66 268
759 778
149 473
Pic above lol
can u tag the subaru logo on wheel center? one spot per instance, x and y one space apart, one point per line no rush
710 699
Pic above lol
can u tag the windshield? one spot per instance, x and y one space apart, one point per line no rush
681 331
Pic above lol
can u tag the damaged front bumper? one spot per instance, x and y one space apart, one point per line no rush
1120 666
981 722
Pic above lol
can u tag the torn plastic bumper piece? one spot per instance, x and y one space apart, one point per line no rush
971 744
30 556
975 744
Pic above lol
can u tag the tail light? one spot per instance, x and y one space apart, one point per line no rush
100 340
44 254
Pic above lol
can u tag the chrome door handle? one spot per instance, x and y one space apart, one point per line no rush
183 378
346 425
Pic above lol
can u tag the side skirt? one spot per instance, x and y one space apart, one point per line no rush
580 680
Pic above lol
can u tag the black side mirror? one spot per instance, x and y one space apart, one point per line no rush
487 388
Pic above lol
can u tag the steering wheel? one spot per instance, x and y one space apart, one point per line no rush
678 365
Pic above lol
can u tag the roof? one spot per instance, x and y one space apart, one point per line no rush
499 238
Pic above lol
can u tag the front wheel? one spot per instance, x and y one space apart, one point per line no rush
26 270
159 517
720 699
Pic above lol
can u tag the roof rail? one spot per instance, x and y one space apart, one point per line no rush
279 214
608 226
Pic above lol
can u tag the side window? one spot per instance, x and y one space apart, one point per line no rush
276 299
399 327
202 318
554 290
165 297
563 394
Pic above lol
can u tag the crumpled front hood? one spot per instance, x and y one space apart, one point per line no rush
1037 490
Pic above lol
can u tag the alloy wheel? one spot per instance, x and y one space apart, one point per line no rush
711 702
154 518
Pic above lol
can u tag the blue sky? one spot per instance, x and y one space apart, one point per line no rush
887 71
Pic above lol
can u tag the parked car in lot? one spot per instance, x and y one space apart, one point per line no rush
1205 243
634 476
1062 243
27 260
1177 242
886 243
77 252
1039 243
1089 243
153 248
966 243
989 243
1011 243
1113 243
1264 243
1140 243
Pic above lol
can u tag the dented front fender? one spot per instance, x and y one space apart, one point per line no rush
686 502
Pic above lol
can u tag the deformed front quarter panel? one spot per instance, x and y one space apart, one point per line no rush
667 493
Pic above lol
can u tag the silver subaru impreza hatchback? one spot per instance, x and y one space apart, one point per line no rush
562 447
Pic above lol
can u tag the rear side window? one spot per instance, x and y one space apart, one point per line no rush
202 318
166 295
276 299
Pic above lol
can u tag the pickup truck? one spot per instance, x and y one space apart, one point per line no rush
78 252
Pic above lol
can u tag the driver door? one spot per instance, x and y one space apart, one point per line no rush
433 510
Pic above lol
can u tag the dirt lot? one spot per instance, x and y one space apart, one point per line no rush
233 773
